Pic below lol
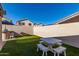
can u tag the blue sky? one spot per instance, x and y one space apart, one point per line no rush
45 13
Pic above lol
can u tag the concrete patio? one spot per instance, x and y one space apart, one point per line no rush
70 40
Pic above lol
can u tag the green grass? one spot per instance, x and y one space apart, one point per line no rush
26 46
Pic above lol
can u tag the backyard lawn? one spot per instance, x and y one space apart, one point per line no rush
26 46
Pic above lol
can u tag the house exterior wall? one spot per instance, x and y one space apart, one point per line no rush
60 30
0 29
1 15
19 29
26 23
4 36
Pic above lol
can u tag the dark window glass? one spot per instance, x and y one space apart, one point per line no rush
30 24
23 23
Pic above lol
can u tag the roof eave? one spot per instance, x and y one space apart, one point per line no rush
67 18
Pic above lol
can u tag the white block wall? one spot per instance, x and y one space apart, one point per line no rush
59 30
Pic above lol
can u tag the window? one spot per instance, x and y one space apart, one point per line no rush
30 24
19 23
23 23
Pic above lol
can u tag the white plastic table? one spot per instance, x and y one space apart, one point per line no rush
51 42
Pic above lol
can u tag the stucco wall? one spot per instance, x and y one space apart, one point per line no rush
0 30
3 36
1 42
19 29
60 30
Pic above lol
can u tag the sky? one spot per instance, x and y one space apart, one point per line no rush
45 13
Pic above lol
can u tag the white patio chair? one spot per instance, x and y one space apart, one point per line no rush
59 50
42 48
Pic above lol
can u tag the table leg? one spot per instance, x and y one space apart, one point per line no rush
65 53
43 53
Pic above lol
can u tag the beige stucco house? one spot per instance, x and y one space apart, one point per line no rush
24 22
9 30
20 28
